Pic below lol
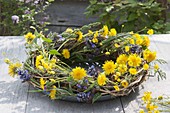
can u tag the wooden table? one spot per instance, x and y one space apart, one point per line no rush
15 98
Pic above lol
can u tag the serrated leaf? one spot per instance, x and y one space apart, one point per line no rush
54 52
96 97
47 40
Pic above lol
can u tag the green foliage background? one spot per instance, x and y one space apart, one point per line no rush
9 8
133 14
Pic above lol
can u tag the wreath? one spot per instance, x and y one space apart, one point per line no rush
86 63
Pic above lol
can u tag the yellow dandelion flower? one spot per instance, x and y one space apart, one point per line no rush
109 67
122 68
66 53
147 96
149 56
38 60
53 93
78 73
101 44
107 53
118 74
69 30
122 59
139 41
160 97
12 69
29 37
53 81
101 79
141 111
105 30
96 34
113 32
40 68
80 36
131 41
42 83
95 40
6 60
147 106
156 66
137 36
152 107
117 45
145 66
116 88
146 41
133 71
116 77
127 48
51 72
119 80
53 61
45 65
124 83
134 60
90 32
150 31
131 32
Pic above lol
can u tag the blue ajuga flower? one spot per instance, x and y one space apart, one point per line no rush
24 75
83 97
86 80
60 38
92 71
79 86
89 43
135 49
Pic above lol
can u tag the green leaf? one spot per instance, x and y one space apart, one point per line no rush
90 87
96 97
50 0
132 16
47 39
93 1
54 52
63 91
109 8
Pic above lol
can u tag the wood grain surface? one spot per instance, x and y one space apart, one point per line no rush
15 98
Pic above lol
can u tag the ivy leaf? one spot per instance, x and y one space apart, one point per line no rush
54 52
96 97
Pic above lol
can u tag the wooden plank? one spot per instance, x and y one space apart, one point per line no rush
132 103
111 106
37 103
13 94
69 12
